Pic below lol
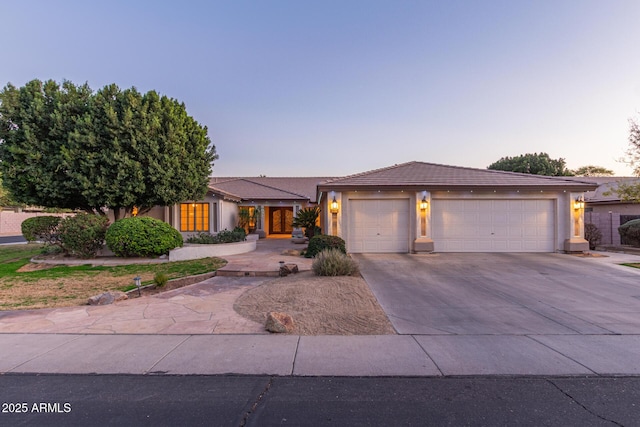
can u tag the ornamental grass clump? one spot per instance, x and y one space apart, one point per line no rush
160 279
332 262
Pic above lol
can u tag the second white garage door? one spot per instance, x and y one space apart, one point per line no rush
380 225
493 225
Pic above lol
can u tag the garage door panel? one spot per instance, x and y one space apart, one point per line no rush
506 225
378 225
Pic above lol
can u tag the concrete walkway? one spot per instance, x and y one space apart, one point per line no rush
203 308
109 346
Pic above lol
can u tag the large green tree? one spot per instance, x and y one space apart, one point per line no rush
630 192
65 146
591 170
536 164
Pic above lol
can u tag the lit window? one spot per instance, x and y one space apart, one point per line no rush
194 217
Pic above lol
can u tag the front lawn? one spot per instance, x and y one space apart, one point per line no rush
24 285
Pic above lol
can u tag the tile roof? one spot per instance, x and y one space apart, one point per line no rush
434 176
267 188
606 184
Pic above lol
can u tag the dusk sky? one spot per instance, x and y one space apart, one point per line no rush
329 88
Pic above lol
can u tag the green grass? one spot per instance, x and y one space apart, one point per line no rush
64 285
634 265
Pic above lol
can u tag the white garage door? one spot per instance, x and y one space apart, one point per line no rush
493 225
380 225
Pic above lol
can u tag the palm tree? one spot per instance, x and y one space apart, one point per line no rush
307 218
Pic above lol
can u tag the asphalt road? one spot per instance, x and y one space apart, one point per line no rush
124 400
11 239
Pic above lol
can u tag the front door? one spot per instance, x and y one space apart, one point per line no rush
280 220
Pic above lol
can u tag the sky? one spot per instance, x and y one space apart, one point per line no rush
331 88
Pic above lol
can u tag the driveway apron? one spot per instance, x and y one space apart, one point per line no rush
503 294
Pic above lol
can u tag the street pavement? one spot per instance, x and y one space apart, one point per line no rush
11 239
170 400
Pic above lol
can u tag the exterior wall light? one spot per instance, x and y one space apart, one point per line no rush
334 205
578 204
424 203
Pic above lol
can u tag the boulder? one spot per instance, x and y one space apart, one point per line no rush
286 269
280 323
107 298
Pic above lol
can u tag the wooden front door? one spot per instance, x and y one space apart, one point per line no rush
280 220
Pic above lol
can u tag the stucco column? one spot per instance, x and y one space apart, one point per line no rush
334 219
423 241
576 241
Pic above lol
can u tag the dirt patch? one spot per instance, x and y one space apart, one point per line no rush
341 305
589 255
32 266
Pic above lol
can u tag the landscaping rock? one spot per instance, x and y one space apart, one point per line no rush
107 298
291 252
280 323
286 269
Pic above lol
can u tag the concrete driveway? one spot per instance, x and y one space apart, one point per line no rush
505 294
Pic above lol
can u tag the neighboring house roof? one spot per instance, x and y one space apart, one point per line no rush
606 185
422 176
267 188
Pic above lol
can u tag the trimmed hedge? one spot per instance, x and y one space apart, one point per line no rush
82 235
142 237
630 232
224 236
41 228
321 242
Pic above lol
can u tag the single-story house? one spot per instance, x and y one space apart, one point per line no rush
605 209
279 199
424 207
410 207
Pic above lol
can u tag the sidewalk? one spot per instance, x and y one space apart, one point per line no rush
388 355
194 330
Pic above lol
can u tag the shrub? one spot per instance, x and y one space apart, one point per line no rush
82 235
142 237
307 219
160 279
333 262
202 238
44 228
224 236
630 232
593 235
321 242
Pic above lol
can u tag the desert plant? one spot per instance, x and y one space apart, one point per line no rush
630 232
592 235
44 228
333 262
307 218
248 218
82 235
160 279
321 242
142 237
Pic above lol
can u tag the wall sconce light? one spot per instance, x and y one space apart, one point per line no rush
424 203
334 205
578 204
